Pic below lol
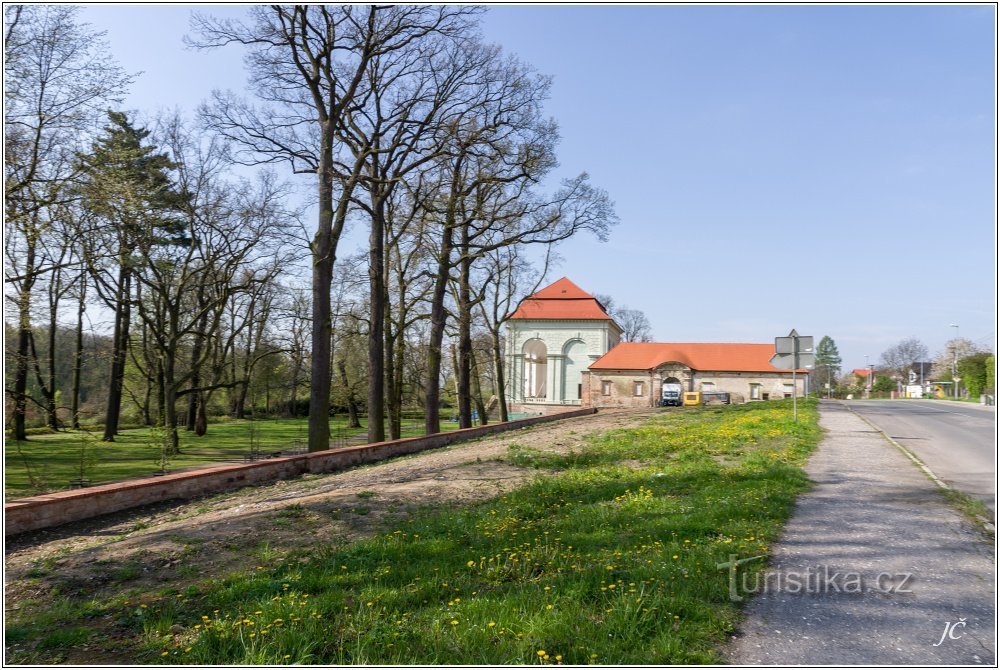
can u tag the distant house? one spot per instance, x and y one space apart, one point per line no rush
564 349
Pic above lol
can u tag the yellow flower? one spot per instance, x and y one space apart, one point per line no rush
454 622
541 652
492 624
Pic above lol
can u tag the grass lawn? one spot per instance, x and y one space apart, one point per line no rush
609 556
54 459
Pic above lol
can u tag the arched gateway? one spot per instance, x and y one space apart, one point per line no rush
552 337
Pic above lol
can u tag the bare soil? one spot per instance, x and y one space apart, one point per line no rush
172 545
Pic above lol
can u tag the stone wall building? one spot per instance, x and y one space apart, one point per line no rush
563 349
633 373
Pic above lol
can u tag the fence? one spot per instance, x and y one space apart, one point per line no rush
53 509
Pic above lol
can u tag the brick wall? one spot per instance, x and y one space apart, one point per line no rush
54 509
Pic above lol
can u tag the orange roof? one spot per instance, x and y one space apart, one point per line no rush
563 289
697 356
561 300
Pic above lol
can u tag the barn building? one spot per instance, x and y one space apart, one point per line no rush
563 349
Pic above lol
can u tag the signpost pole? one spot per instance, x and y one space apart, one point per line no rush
795 367
790 355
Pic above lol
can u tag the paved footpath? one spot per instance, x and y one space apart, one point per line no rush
871 512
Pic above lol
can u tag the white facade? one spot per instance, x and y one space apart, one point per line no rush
546 358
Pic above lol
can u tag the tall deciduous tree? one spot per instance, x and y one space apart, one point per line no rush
58 76
308 64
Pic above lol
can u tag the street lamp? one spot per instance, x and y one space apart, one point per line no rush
954 360
868 377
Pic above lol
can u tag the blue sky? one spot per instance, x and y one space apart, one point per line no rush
829 169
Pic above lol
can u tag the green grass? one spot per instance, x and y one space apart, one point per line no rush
595 562
609 556
54 459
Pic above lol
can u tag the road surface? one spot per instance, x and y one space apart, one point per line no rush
956 440
922 575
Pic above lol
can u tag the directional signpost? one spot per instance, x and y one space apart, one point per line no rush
794 353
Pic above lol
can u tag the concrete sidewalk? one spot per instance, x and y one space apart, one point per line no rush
871 513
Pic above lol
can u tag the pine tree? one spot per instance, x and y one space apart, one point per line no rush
128 190
827 362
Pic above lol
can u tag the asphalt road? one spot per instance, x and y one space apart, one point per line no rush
955 440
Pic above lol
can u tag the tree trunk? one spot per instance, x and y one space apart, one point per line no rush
51 416
432 385
352 403
463 369
391 410
21 376
376 323
501 381
201 421
240 402
81 307
119 349
196 353
477 391
324 253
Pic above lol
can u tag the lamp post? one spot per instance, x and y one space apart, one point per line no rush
868 377
954 360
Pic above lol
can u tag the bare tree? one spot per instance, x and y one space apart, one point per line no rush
505 278
307 66
58 77
899 358
634 324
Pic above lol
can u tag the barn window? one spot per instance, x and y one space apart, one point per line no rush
605 388
639 389
755 391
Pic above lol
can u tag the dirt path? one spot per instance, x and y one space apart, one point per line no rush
175 544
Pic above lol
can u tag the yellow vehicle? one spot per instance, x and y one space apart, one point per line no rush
692 398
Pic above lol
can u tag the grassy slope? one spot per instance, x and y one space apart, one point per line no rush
54 459
608 557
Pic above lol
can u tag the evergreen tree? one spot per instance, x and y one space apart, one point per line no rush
128 190
827 362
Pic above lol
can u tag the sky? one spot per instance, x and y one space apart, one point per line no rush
830 169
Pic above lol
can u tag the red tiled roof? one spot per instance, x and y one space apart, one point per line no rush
561 300
697 356
861 372
563 289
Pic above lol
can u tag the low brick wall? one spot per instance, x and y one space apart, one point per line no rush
45 511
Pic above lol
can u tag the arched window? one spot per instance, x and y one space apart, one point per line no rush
575 360
535 368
